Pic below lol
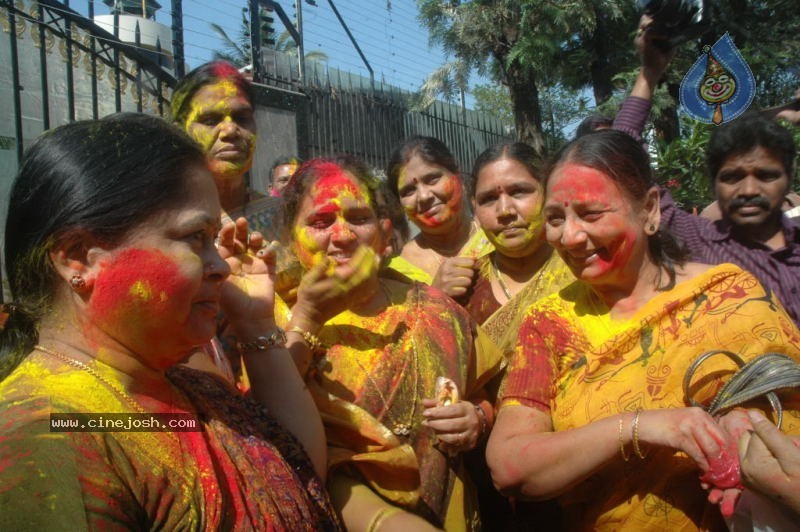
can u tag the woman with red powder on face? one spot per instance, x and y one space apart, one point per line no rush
592 409
393 451
115 279
423 176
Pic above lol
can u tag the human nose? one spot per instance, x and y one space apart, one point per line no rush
214 266
749 187
342 234
505 208
228 128
573 234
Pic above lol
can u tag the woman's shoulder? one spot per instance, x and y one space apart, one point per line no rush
708 274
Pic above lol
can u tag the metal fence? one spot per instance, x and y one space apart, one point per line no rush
57 65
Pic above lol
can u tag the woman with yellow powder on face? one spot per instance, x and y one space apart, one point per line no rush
507 198
592 408
115 279
423 177
393 453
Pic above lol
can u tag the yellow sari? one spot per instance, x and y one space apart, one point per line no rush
369 385
477 246
573 361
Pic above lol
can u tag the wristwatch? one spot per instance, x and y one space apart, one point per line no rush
276 338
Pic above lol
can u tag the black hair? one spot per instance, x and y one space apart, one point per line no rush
593 123
311 171
515 151
104 177
205 74
285 159
429 149
623 159
746 133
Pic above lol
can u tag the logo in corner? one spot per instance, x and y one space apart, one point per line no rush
720 85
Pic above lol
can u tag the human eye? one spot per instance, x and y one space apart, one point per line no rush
553 218
208 119
406 192
769 175
728 177
486 199
432 179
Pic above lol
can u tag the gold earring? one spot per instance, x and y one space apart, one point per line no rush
77 282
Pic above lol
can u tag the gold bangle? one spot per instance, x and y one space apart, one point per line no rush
380 516
635 435
625 457
311 339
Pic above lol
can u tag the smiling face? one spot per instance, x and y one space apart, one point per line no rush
596 228
157 293
750 188
717 88
221 120
334 219
431 195
508 205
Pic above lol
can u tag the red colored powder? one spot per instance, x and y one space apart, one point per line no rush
134 292
225 70
332 183
724 471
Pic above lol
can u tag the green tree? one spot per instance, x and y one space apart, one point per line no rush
523 45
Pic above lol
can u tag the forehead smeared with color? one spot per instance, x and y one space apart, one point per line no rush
333 184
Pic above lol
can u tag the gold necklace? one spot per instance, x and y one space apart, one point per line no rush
80 365
503 286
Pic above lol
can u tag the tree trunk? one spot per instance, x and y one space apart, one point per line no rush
524 95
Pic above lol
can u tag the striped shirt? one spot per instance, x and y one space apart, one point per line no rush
712 243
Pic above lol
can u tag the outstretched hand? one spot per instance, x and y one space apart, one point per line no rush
248 293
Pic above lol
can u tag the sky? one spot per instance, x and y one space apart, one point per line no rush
393 41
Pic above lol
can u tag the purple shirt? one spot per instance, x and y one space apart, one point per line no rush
712 243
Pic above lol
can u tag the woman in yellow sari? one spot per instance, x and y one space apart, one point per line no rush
507 197
115 278
593 410
423 177
393 450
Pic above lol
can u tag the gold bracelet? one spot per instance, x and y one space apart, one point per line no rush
380 516
635 435
625 457
311 339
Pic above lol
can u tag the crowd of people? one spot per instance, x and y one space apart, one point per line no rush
534 341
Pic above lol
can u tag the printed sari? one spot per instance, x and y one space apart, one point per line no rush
369 386
243 471
574 362
501 322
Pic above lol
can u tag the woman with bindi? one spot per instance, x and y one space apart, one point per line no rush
424 177
115 280
593 410
507 199
379 347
